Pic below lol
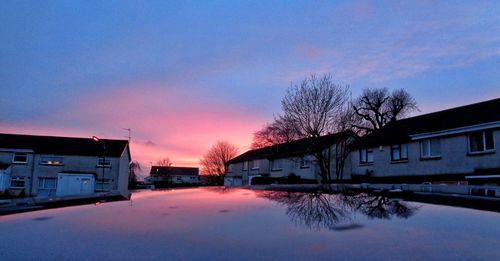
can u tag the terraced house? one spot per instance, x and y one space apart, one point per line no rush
457 145
293 159
46 166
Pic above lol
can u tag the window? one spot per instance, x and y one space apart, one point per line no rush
366 156
47 186
229 167
276 164
52 160
255 164
20 157
245 165
399 152
102 185
103 162
17 182
481 141
430 148
304 163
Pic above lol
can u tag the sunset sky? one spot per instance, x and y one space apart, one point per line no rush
183 75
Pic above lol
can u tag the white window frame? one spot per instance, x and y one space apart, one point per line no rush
44 160
304 163
365 152
42 185
245 165
18 154
255 164
427 144
277 164
483 134
400 148
23 179
106 161
103 182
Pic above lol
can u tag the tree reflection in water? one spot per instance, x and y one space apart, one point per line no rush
317 210
378 206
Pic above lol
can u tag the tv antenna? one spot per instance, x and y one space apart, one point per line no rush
129 137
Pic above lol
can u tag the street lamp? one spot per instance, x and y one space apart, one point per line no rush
96 139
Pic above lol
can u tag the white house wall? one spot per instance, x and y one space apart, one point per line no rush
33 170
123 173
19 169
454 159
292 166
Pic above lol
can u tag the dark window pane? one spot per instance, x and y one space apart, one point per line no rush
395 155
435 147
369 156
476 142
424 146
488 135
404 151
20 157
362 156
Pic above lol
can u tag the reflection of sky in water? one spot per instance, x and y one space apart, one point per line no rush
229 224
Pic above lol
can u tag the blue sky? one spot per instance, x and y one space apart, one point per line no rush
185 74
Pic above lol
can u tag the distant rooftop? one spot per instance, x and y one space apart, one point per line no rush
289 149
62 145
168 171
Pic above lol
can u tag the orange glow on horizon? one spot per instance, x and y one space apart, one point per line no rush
162 126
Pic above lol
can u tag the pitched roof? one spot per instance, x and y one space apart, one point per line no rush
167 170
463 116
289 149
63 145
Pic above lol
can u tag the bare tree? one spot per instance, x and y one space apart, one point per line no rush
134 170
274 133
316 107
213 162
165 162
401 104
375 108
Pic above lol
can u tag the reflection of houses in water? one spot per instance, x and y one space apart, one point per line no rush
319 210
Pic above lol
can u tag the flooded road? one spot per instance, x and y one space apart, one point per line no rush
229 224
